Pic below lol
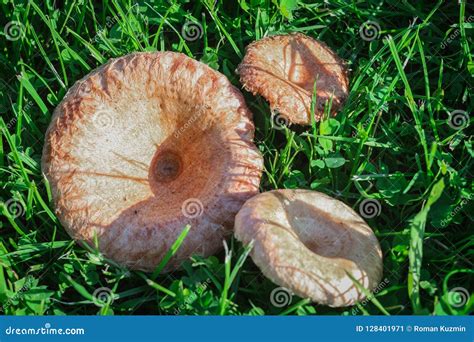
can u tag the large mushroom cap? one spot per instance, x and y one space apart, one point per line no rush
143 146
309 243
284 68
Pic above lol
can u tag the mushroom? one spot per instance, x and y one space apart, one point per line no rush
312 244
145 145
284 68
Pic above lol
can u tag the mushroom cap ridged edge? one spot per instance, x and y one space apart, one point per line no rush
282 256
294 112
64 123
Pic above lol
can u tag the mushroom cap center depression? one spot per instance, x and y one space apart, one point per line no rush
322 232
144 145
167 166
322 236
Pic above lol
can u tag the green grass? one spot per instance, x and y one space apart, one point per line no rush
394 144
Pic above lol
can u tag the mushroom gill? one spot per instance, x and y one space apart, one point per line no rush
143 146
284 69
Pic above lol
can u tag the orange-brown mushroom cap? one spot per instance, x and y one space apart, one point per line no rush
143 146
311 244
284 68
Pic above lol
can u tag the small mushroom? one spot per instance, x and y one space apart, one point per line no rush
145 145
284 68
312 244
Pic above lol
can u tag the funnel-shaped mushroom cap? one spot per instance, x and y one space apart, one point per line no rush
284 68
309 243
145 145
